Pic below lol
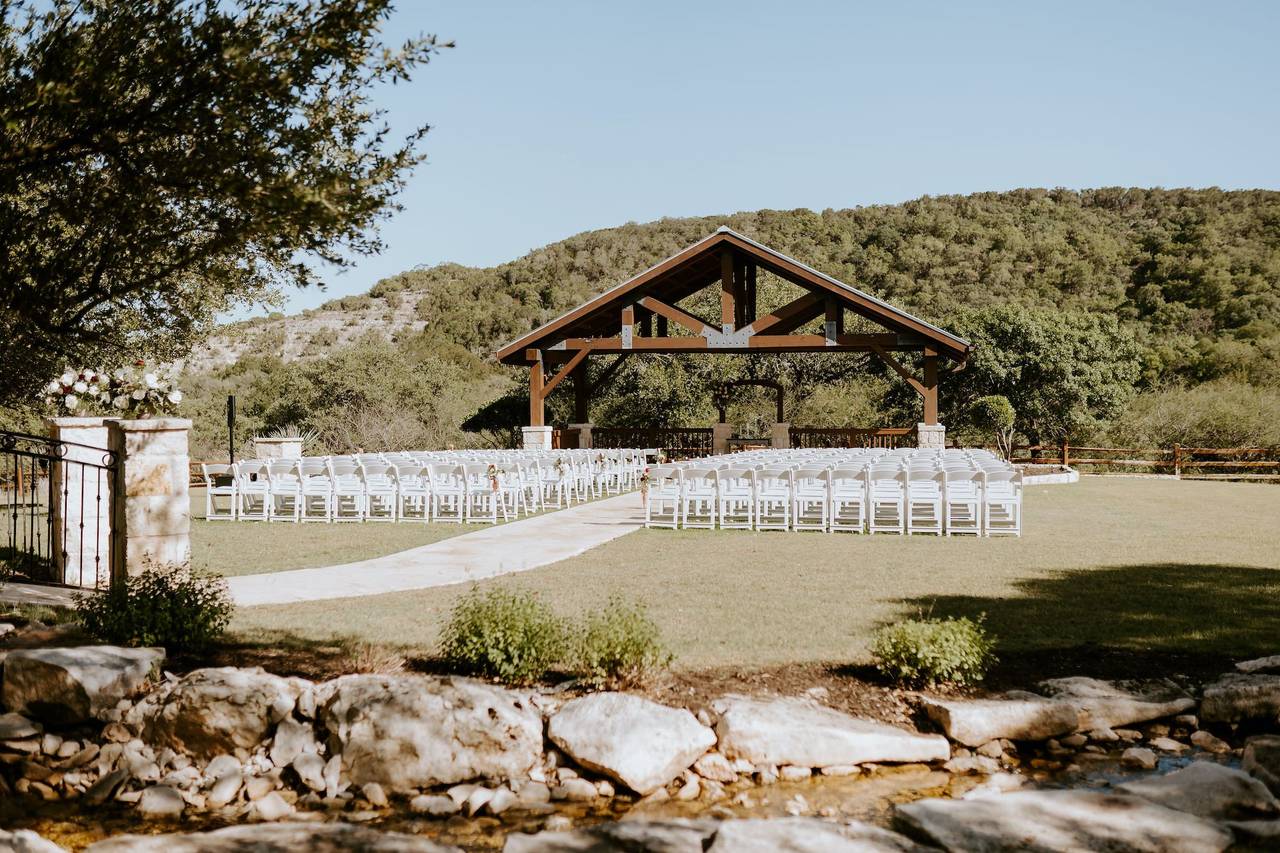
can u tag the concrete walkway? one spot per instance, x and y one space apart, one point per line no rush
485 553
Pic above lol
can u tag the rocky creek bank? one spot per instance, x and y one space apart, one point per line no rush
307 762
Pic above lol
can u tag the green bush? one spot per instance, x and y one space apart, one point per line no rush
930 652
507 635
170 606
619 646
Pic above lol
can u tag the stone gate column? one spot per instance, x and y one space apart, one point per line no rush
584 435
780 438
931 436
720 435
537 437
153 520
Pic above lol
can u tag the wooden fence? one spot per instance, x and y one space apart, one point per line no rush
810 437
675 442
1255 463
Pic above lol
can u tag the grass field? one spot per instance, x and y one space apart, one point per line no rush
1142 564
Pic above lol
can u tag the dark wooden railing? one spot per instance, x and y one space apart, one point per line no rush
892 437
675 442
1200 462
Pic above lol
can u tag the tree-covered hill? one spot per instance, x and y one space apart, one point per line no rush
1105 292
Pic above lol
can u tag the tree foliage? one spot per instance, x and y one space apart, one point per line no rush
162 160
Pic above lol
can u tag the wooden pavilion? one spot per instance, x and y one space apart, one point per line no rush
637 316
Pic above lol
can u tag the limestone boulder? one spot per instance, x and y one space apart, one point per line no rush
209 712
797 732
311 836
806 835
26 841
1106 705
1262 760
1208 790
65 686
974 722
639 743
1270 663
17 727
631 836
410 731
1242 696
1054 821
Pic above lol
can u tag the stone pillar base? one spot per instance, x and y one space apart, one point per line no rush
780 438
277 448
537 438
931 436
153 521
584 435
720 435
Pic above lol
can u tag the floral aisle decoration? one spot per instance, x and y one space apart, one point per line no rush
492 474
645 479
137 391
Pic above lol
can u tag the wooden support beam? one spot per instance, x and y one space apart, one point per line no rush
899 369
678 315
645 316
698 343
930 391
751 292
794 314
581 394
537 397
727 310
834 325
739 294
578 357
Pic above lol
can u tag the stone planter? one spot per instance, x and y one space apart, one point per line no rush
289 447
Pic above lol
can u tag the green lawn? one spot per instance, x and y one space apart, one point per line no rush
1142 564
254 547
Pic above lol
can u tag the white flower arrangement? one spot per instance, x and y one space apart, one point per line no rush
136 390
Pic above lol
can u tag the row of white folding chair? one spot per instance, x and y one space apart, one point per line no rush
884 498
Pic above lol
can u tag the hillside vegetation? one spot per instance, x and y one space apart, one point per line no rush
1118 290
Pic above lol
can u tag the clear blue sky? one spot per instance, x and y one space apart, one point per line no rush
554 117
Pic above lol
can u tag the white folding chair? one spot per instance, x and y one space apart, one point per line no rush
662 496
737 507
773 498
698 498
254 490
963 497
380 494
886 498
448 492
348 489
284 491
481 505
220 482
316 491
1002 503
413 485
849 500
924 500
811 499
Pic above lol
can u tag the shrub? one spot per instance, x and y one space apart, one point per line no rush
994 414
619 646
507 635
170 606
930 652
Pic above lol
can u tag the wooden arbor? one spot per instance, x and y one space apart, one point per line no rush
637 316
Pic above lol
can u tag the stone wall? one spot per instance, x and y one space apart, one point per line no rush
154 518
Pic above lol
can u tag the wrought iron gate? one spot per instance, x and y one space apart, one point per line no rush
58 499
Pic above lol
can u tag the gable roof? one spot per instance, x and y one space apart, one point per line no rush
698 266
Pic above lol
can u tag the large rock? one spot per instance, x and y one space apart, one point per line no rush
1262 760
631 836
213 711
806 835
1242 696
974 722
26 841
1271 663
800 733
412 731
1055 821
640 743
1104 705
1207 790
17 727
64 686
275 838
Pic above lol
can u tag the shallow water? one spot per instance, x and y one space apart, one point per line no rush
868 797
